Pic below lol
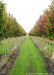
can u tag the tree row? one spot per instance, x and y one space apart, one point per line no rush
45 25
9 27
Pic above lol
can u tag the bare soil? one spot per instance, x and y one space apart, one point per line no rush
49 65
0 56
7 67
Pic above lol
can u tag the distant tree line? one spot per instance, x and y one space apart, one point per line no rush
9 27
45 25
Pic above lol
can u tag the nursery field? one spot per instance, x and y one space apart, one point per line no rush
20 56
44 45
29 62
47 45
26 52
8 44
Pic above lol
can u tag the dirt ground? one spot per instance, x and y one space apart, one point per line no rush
48 64
6 68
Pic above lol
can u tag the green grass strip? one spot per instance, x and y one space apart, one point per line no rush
29 60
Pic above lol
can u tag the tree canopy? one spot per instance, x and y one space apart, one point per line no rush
45 24
9 27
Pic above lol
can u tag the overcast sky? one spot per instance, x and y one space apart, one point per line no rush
26 12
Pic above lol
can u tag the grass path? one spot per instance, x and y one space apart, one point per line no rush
29 60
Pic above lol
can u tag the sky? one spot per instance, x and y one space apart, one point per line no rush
27 12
